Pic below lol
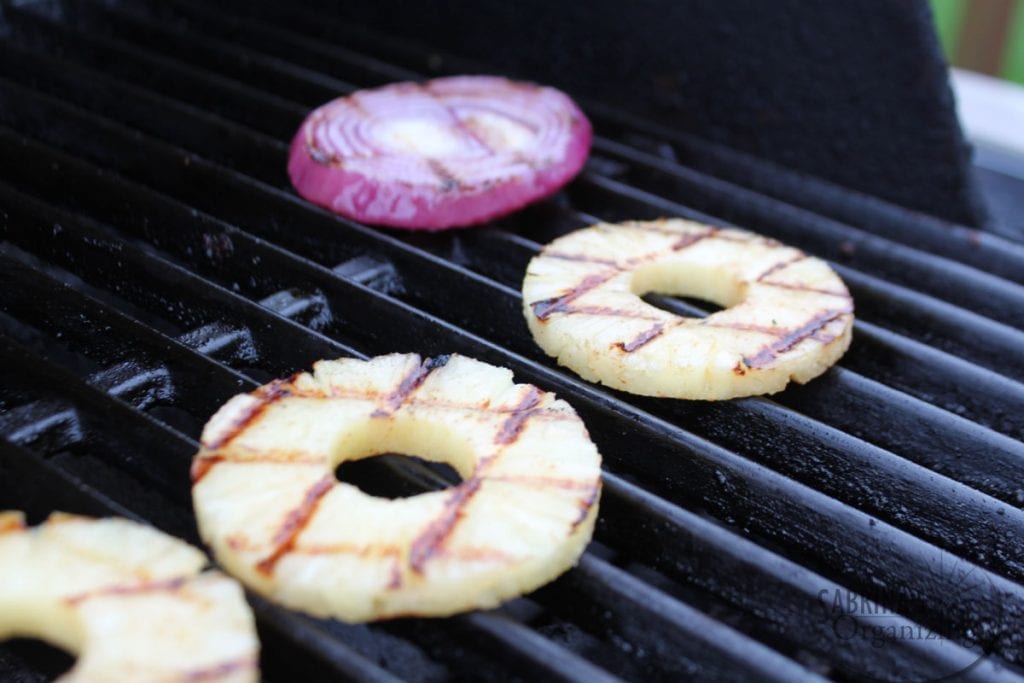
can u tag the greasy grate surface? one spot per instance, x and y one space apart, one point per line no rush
155 262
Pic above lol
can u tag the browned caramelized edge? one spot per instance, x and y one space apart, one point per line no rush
165 585
11 523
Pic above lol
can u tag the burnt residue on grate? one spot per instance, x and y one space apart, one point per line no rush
143 198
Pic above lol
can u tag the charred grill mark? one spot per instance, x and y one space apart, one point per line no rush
449 181
469 129
321 157
580 258
585 504
221 670
781 265
545 308
538 481
793 337
265 395
746 327
739 368
461 124
642 339
514 423
805 288
295 523
395 577
607 311
392 551
166 585
202 465
431 539
691 239
411 383
683 235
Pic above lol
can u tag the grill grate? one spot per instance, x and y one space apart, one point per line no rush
144 201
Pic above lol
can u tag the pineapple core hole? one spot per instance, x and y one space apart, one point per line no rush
49 660
369 456
690 288
686 306
382 476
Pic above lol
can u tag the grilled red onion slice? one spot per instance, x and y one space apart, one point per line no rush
449 152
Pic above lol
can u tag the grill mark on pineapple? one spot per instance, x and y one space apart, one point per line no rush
685 240
610 312
545 308
166 585
514 423
265 395
295 523
745 327
430 540
581 258
642 339
791 338
468 553
409 384
202 464
538 481
781 265
715 232
808 288
362 395
692 239
221 670
585 505
395 576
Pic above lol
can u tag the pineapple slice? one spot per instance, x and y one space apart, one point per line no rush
787 316
275 516
130 601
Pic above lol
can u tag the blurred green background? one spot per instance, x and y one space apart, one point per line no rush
983 35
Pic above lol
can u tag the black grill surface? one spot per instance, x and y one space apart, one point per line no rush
154 261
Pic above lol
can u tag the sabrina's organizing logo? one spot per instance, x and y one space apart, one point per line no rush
942 645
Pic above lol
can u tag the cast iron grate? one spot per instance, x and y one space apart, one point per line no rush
154 262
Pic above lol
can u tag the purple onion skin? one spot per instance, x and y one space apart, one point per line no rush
437 205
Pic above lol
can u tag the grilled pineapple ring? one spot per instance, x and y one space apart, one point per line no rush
129 600
270 507
788 315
